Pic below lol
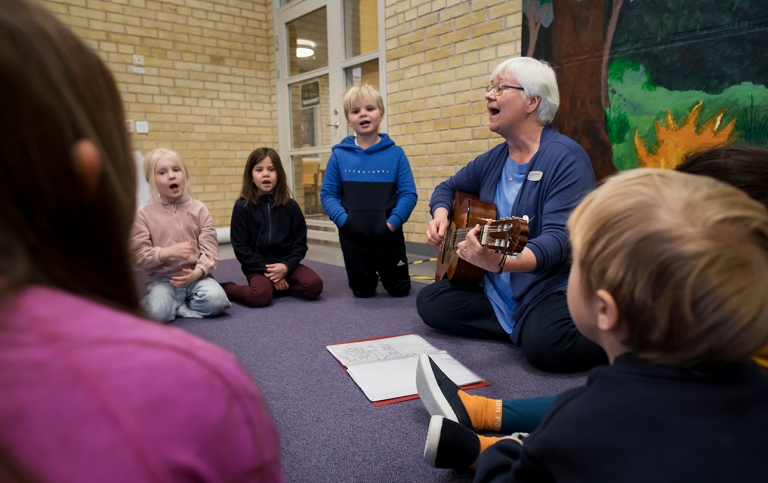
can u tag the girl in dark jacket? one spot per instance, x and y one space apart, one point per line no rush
269 236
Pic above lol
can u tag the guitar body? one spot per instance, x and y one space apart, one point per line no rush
468 211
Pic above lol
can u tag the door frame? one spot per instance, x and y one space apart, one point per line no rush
335 70
283 16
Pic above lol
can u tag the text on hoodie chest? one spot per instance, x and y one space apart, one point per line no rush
352 174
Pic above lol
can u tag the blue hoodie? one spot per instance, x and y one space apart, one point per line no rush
363 189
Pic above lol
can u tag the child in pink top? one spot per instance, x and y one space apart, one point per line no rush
89 391
174 242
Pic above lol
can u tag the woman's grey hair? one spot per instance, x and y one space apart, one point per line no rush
538 79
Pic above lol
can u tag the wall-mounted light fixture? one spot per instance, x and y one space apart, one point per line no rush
305 48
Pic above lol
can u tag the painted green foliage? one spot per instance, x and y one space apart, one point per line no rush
672 55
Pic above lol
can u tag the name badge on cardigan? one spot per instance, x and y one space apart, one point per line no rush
535 175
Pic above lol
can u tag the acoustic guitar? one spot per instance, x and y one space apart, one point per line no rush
506 235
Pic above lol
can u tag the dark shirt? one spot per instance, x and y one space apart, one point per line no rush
638 422
263 234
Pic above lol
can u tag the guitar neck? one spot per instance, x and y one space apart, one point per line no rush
486 238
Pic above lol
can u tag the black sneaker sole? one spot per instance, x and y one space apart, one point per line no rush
450 445
429 391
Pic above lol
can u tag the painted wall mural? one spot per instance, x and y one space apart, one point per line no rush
643 82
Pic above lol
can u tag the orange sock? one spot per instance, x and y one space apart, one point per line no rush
485 441
485 413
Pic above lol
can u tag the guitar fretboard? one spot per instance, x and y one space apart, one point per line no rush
483 237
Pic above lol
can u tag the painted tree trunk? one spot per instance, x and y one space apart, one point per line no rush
577 53
533 26
609 32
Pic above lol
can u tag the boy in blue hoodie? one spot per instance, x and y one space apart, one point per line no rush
369 193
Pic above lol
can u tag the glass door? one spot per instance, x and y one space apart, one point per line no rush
323 47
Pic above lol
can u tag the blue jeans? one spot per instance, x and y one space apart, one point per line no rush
202 298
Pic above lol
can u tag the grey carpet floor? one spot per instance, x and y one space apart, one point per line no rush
329 431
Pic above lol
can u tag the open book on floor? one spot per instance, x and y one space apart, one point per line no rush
385 368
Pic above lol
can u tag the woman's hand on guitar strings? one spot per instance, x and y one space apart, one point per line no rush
437 227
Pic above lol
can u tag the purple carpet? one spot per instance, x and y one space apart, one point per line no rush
329 431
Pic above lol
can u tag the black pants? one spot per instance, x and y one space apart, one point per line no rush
548 338
366 265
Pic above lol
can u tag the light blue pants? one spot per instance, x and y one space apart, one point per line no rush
202 298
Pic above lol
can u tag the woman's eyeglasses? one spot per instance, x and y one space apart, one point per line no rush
498 89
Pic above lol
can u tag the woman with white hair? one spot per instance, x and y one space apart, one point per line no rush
535 172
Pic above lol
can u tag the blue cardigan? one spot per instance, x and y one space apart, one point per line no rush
565 177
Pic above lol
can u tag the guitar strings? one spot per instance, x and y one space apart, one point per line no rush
463 233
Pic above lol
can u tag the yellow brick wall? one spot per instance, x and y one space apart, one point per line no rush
439 56
209 87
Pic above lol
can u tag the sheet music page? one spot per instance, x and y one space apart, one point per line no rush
385 349
397 378
386 368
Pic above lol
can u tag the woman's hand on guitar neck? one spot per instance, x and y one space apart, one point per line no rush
486 258
473 252
436 228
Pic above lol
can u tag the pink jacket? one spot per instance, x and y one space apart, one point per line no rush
90 393
159 224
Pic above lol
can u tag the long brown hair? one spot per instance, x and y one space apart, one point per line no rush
56 229
281 194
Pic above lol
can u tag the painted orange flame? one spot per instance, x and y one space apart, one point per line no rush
675 142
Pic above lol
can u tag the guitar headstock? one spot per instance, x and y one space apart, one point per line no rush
507 235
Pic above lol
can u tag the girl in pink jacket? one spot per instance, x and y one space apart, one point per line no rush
174 241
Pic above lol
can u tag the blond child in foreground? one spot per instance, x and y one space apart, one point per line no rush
669 274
